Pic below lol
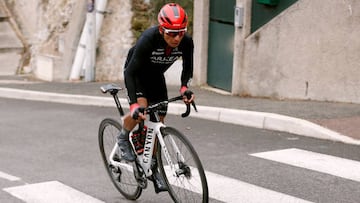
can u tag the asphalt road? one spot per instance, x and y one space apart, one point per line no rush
41 142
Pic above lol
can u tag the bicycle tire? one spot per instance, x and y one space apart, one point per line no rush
123 178
189 184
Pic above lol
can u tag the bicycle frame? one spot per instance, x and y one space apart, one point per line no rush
154 130
177 160
144 160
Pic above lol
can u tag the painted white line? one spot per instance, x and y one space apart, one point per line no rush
8 177
233 191
50 192
236 191
344 168
58 97
17 82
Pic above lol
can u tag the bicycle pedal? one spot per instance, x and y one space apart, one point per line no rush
142 182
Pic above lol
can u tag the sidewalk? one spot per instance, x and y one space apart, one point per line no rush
324 120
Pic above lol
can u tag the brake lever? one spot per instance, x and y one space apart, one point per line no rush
193 104
187 112
188 109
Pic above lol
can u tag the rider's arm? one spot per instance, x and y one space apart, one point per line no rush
187 72
134 66
188 62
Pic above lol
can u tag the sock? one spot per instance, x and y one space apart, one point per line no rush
124 134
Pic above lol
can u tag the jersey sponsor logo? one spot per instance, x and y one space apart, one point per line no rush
159 57
164 59
148 145
158 52
161 51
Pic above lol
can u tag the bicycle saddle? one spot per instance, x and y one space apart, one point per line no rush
112 88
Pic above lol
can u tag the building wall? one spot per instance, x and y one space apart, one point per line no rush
310 51
200 37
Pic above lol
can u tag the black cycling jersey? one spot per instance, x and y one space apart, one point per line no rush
148 60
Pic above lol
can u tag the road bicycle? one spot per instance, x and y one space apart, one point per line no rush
177 160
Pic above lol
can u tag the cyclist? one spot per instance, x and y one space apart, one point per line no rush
156 50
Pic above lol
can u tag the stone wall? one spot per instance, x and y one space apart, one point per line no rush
45 25
42 22
26 14
11 46
53 28
114 42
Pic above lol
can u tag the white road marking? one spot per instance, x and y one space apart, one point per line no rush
344 168
50 192
8 177
220 187
233 191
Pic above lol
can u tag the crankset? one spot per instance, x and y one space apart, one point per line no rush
139 175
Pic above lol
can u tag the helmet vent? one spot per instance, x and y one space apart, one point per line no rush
184 21
164 18
176 11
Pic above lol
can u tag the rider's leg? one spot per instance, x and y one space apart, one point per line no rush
159 182
127 152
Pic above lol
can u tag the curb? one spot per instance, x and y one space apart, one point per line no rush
262 120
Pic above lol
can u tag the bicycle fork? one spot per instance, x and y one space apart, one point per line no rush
175 168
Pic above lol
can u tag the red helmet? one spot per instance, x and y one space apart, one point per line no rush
172 16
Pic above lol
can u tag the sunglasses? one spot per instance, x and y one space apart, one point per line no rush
174 33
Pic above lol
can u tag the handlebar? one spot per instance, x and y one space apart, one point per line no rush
113 89
154 107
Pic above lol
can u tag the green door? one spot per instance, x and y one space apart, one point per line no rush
221 44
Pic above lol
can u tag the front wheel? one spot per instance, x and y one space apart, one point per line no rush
182 170
120 172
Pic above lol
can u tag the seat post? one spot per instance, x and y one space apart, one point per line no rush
118 104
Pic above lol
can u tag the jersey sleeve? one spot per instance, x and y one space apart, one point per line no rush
188 63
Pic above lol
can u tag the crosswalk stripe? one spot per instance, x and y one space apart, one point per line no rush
50 192
344 168
236 191
8 177
233 191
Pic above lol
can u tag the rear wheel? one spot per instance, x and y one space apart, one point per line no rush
121 173
184 175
